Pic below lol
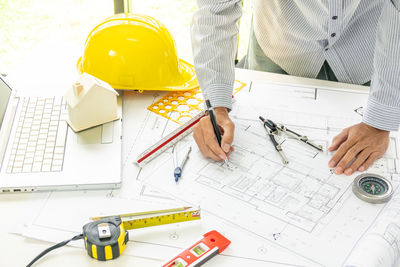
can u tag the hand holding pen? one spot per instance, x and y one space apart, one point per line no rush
206 138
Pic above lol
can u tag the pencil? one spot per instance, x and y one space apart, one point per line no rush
215 125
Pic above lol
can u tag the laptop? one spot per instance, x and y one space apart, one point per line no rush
40 152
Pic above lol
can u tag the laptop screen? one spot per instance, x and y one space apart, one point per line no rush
5 92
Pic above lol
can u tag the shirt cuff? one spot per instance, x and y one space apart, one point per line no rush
219 96
381 116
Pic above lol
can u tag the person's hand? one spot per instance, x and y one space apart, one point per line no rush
360 141
206 140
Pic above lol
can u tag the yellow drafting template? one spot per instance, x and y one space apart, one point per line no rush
181 106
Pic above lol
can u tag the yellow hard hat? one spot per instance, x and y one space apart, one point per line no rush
135 52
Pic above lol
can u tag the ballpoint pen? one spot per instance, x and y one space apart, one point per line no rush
215 125
178 169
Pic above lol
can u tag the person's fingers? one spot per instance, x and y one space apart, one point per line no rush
339 139
204 135
351 141
374 156
343 148
360 159
209 154
199 139
227 138
348 157
209 138
230 151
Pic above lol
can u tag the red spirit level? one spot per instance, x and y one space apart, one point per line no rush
213 243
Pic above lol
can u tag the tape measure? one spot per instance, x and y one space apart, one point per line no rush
212 244
106 237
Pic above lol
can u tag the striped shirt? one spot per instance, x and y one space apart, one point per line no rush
360 39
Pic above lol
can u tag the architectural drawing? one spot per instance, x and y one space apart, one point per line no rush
140 130
167 240
302 207
295 215
383 238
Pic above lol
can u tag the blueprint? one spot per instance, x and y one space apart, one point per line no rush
275 215
50 223
302 207
385 237
141 129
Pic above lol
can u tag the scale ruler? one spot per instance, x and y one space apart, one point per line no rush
168 141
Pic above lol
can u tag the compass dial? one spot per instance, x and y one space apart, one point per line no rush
372 188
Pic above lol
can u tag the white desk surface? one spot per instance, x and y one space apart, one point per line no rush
18 251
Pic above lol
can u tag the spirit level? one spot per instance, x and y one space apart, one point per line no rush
212 244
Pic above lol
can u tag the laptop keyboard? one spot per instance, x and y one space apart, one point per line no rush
39 142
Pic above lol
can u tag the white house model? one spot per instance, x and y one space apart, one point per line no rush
91 102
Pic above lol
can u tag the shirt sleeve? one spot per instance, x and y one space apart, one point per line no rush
396 3
214 35
383 107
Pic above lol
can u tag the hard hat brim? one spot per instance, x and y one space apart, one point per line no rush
187 81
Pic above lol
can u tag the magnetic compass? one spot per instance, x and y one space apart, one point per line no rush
372 188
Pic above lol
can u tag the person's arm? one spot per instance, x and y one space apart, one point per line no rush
369 140
383 108
214 41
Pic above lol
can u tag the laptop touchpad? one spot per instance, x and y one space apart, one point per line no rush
102 134
90 136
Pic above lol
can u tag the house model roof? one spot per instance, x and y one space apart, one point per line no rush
85 83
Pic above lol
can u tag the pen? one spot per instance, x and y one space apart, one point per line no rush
178 170
215 126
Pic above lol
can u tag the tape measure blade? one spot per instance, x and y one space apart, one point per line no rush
168 141
162 220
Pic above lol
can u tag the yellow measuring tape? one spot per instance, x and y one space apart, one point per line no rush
162 219
106 237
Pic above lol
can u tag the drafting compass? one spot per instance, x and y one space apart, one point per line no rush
359 111
273 129
372 188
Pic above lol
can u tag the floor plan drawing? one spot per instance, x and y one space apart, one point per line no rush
385 237
136 196
299 214
302 206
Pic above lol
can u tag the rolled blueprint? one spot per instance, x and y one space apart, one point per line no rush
380 246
